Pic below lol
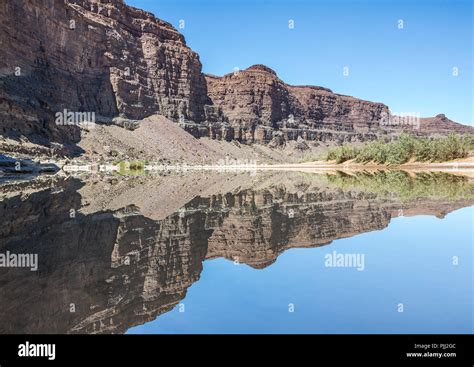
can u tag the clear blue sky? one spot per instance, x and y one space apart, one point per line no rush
409 69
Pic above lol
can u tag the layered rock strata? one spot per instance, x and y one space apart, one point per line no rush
118 64
93 56
259 107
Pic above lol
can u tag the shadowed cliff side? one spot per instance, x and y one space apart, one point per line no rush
102 57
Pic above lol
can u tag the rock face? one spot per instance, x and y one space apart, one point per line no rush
19 168
441 124
96 56
123 64
256 104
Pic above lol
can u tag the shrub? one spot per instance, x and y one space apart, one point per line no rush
406 147
342 153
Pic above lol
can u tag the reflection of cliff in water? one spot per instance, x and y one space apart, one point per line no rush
117 268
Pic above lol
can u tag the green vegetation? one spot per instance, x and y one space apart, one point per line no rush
404 148
405 186
131 167
342 153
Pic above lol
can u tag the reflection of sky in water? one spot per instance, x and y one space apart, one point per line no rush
410 262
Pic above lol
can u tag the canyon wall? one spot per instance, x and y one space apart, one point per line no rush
123 64
97 56
258 106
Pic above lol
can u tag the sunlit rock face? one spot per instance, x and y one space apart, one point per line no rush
123 64
107 271
256 103
257 106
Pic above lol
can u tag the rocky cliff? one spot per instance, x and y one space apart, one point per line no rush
99 56
258 106
122 64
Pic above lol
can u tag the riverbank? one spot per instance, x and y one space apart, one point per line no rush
159 144
77 167
463 166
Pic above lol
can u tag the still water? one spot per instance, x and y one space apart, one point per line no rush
385 252
409 263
